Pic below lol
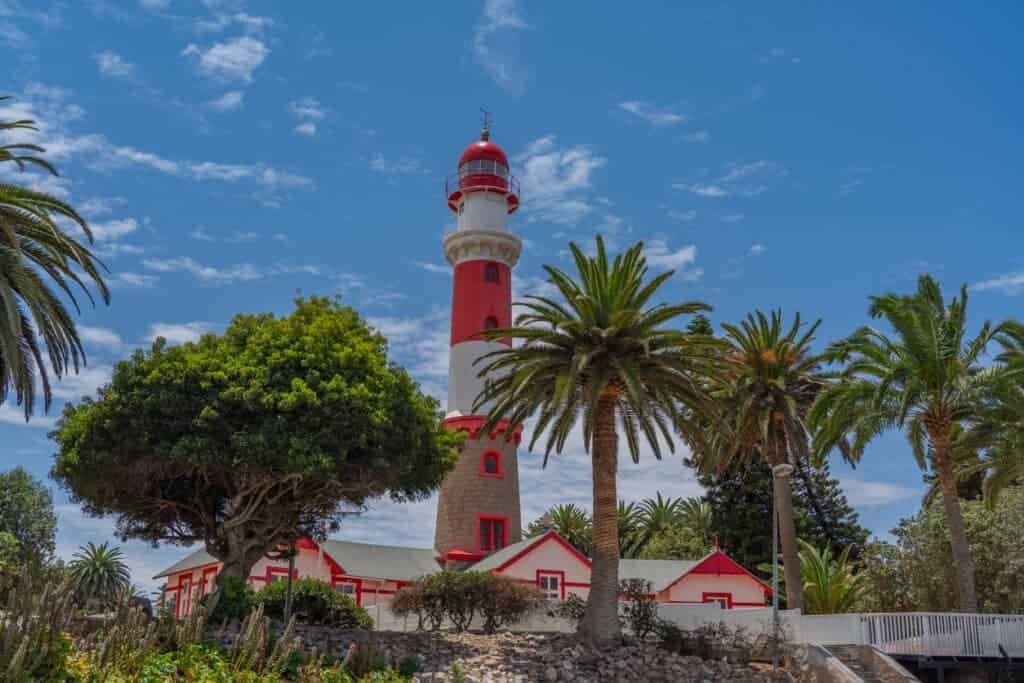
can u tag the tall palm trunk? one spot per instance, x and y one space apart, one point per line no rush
783 489
600 624
939 436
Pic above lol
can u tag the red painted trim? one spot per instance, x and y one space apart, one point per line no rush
551 535
473 423
717 563
504 532
203 582
553 572
499 472
576 584
707 597
475 300
184 595
358 583
461 555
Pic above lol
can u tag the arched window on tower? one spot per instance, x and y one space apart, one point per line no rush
490 323
491 272
490 465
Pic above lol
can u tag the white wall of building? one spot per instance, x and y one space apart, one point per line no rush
483 211
692 588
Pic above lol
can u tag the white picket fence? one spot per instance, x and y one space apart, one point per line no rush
901 634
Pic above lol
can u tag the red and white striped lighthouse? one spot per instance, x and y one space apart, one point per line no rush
478 509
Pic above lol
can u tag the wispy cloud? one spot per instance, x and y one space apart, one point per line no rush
1010 283
101 337
179 333
557 180
697 136
229 101
113 65
233 60
225 275
308 111
496 44
127 280
732 218
13 415
403 165
652 114
757 249
220 21
113 229
682 216
681 260
440 268
871 493
739 180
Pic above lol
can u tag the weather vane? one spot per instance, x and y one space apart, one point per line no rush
485 124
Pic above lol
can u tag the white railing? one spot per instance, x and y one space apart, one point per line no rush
951 634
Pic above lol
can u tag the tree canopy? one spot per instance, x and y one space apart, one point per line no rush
248 440
27 516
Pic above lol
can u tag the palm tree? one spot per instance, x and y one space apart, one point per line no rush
660 514
35 254
830 585
696 514
569 521
602 356
100 573
770 381
927 378
633 536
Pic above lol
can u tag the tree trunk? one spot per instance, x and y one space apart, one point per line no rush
238 554
600 624
783 490
955 521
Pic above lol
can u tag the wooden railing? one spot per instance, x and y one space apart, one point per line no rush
949 634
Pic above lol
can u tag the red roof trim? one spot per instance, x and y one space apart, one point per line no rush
717 563
483 149
551 535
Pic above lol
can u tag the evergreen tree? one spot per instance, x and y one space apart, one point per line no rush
741 505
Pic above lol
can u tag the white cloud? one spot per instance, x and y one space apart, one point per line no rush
13 415
758 249
682 216
496 44
280 237
101 337
739 180
732 218
113 229
199 233
870 493
306 108
179 333
229 101
73 386
113 65
402 165
1010 283
126 280
233 60
155 5
100 206
681 260
242 272
649 113
697 136
441 268
307 128
249 23
557 180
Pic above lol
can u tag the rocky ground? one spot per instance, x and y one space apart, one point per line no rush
523 657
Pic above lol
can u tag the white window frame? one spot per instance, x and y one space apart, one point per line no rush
551 592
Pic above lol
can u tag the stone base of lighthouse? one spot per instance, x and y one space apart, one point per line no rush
474 498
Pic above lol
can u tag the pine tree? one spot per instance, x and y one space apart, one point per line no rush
741 507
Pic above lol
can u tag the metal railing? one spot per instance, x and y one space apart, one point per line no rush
480 181
936 634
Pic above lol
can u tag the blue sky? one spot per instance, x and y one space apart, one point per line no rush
231 153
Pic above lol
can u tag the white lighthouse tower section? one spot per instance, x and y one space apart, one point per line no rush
482 235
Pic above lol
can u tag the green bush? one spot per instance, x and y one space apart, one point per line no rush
571 609
461 596
313 602
232 601
639 610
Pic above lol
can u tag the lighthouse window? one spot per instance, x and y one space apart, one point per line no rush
491 272
490 464
490 323
492 534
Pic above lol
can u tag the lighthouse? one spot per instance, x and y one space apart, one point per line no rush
478 508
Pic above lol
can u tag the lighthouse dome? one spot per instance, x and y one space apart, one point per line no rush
484 150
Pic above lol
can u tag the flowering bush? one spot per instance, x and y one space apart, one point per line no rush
313 602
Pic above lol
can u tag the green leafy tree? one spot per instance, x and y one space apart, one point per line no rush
771 379
633 534
927 377
696 515
100 573
249 440
887 582
601 355
677 543
39 260
830 584
824 517
569 521
26 514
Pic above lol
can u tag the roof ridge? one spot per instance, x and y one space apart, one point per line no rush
381 545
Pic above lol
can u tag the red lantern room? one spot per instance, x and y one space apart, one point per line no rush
483 167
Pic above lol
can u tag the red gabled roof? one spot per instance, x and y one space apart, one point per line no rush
529 546
718 563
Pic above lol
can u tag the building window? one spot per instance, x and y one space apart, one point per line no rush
490 323
346 588
723 600
550 585
491 272
493 533
490 465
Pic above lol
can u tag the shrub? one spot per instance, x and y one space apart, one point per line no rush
232 601
313 602
639 609
460 596
571 609
32 622
363 659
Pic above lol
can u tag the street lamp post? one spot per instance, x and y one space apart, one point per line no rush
778 472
